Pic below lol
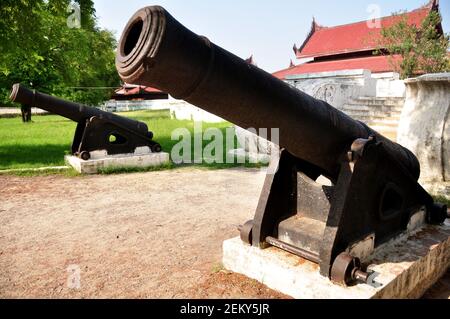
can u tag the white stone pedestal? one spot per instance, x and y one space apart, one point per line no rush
100 160
425 129
407 268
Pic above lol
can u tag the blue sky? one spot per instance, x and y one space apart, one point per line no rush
267 29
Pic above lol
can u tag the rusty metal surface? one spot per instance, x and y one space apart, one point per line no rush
347 270
374 191
96 129
343 266
293 250
246 232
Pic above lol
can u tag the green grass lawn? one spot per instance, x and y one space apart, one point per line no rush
45 141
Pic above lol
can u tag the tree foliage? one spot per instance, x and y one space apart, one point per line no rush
40 50
423 48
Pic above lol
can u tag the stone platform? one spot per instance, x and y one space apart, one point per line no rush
406 268
100 160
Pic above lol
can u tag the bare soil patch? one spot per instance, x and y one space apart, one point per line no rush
143 235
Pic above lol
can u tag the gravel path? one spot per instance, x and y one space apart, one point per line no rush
145 235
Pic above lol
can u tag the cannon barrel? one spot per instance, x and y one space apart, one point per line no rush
74 111
156 50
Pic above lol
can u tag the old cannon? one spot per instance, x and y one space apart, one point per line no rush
96 130
374 191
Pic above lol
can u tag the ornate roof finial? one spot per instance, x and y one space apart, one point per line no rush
432 4
251 60
291 64
315 25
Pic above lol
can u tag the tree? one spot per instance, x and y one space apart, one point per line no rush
40 50
423 49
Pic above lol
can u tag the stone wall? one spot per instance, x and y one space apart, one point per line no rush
127 106
388 84
336 88
180 110
425 128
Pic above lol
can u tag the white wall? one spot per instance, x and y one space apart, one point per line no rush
179 109
336 87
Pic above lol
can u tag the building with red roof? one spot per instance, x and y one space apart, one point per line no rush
350 46
131 97
138 93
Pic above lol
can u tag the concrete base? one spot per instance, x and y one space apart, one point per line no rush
102 161
424 126
407 267
438 189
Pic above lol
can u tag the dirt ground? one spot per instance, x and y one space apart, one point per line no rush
144 235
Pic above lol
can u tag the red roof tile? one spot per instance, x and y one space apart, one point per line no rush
376 64
354 37
128 89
